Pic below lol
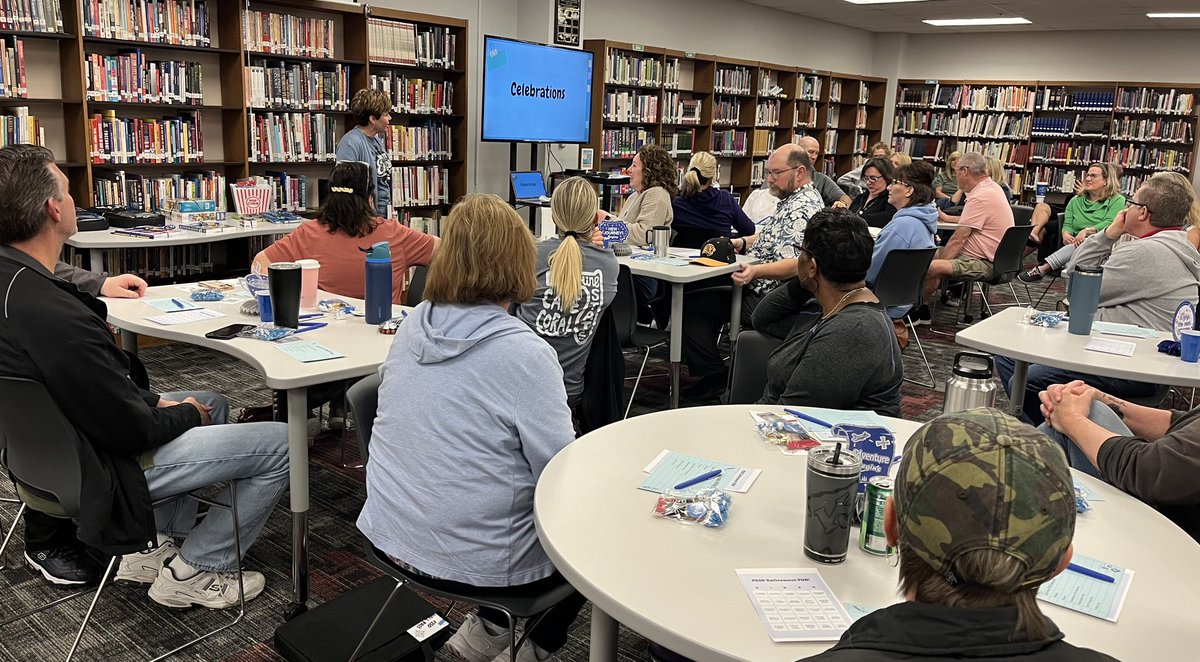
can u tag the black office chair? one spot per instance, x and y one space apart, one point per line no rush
41 454
748 374
631 334
416 286
363 399
1006 266
899 283
1022 215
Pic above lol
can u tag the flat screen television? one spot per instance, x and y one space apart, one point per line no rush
535 93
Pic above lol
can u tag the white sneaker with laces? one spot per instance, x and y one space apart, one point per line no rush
474 643
528 652
215 590
143 567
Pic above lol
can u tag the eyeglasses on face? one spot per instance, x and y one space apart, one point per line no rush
871 179
801 249
779 173
1134 203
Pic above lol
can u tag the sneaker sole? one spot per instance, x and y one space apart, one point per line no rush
922 322
179 602
59 581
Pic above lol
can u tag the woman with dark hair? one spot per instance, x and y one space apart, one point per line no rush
654 180
842 351
872 204
346 223
914 225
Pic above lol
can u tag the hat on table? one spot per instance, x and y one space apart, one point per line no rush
716 252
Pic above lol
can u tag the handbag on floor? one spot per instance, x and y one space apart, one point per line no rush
331 631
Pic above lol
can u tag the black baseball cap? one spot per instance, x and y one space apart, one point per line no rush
716 252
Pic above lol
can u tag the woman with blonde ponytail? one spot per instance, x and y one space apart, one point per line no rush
576 280
703 211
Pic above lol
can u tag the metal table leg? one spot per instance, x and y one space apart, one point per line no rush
676 340
1019 381
297 422
603 638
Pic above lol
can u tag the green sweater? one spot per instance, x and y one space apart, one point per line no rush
1082 213
949 184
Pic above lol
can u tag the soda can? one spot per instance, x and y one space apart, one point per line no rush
871 536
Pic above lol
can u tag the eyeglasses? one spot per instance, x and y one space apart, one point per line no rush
871 179
897 182
800 249
1134 203
962 168
778 174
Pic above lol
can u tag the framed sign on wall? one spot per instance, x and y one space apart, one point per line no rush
567 17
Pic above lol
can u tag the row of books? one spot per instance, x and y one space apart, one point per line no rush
1059 178
297 85
727 111
622 68
835 91
919 148
415 96
286 34
629 106
12 69
860 118
1015 178
289 191
1086 126
624 143
153 192
1062 98
833 116
31 15
414 186
730 143
732 80
1066 152
1128 128
917 96
1148 99
172 139
21 128
1152 158
1130 183
427 221
188 261
175 22
864 93
810 87
764 142
679 143
831 141
805 115
1013 98
758 172
408 44
429 141
672 70
925 122
767 112
768 83
993 125
679 110
293 137
130 77
1006 152
862 143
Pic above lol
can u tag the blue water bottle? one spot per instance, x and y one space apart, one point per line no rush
379 282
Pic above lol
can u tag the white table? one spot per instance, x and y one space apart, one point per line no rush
675 583
678 276
1006 334
364 348
98 241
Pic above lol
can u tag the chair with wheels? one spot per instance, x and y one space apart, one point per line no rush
631 334
514 603
899 283
1005 268
748 372
41 452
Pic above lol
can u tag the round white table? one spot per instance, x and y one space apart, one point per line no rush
675 584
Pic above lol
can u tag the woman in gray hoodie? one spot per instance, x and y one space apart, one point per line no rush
471 409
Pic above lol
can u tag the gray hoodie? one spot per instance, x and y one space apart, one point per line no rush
1144 280
471 409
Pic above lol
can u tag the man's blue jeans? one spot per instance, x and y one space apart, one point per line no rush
1101 415
1041 376
253 455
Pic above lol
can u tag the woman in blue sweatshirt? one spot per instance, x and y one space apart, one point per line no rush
914 224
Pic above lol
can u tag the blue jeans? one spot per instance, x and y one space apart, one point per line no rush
1040 377
253 455
1101 415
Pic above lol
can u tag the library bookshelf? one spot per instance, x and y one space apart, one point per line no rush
1049 131
139 106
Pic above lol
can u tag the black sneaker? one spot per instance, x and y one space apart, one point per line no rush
1032 276
922 317
65 566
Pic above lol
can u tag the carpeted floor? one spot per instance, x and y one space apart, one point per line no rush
128 627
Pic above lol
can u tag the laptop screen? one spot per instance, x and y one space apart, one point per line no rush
528 185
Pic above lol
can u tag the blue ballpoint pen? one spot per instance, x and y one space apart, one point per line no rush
699 479
178 303
309 326
1092 573
803 416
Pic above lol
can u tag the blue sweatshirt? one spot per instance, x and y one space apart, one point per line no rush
707 214
911 227
471 409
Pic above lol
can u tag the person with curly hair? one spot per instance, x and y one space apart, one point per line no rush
654 180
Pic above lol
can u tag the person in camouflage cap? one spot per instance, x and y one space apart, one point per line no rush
982 515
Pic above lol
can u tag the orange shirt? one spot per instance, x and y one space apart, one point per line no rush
343 266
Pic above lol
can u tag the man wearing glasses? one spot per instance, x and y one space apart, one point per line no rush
1147 274
705 311
831 193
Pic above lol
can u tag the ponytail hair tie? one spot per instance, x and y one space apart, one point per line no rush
572 233
699 175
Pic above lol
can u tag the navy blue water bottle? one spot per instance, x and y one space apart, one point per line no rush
379 282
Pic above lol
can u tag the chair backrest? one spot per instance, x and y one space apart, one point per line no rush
416 286
1022 215
43 450
748 375
624 307
363 399
1009 254
902 276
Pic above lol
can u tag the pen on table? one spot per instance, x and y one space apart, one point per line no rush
309 326
308 316
1091 573
178 303
699 479
801 415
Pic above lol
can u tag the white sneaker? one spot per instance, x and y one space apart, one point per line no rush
474 643
143 567
215 590
528 652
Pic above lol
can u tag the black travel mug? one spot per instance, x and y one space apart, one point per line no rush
831 491
284 283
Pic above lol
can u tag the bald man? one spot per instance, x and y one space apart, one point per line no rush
831 193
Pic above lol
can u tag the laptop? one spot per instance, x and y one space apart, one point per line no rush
529 187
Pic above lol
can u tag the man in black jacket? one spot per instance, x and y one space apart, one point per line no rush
983 514
138 446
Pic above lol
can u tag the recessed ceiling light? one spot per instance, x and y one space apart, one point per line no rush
1177 14
881 2
951 22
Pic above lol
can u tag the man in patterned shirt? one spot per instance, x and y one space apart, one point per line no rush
705 311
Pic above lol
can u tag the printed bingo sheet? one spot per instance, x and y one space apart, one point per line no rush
795 604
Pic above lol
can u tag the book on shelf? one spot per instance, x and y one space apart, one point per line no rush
810 87
1063 98
622 68
423 142
993 125
415 96
172 139
1011 98
204 227
679 110
831 141
835 91
428 221
292 137
1154 128
672 73
414 186
624 143
171 22
920 148
730 143
130 77
1149 99
268 32
767 112
1149 157
629 106
118 188
805 115
12 69
297 85
289 191
148 231
408 44
764 142
735 80
1066 152
21 128
727 112
32 16
679 142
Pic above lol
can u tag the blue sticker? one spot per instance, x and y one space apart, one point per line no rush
876 445
614 232
1185 319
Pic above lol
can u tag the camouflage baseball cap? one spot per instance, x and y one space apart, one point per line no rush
981 479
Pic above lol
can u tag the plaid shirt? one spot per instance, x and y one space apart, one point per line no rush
779 232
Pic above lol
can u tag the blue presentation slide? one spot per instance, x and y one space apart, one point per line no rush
534 93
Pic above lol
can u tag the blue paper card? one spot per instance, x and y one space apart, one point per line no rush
307 352
171 305
1088 595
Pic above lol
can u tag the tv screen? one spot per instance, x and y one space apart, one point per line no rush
535 93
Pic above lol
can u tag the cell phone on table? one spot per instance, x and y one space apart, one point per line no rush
228 332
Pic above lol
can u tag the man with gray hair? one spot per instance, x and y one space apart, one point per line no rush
831 193
972 248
